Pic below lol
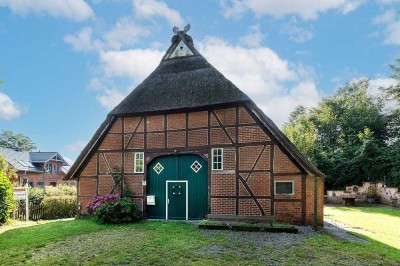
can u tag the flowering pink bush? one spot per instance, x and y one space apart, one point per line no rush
113 209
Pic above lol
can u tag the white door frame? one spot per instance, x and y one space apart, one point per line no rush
166 197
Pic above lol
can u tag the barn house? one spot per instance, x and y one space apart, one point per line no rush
190 145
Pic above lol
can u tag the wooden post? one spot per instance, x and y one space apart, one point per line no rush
27 202
315 203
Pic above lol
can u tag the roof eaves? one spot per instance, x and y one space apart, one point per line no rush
84 156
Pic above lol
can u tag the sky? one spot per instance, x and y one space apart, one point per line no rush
66 63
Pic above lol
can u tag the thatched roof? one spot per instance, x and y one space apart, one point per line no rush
184 82
180 82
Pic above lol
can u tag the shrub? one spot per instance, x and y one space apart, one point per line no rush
36 195
59 191
7 201
59 207
113 209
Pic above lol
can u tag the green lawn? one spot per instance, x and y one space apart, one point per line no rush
171 243
379 223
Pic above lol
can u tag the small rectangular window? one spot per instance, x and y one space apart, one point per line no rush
56 169
49 168
284 188
31 184
217 159
53 184
40 184
139 162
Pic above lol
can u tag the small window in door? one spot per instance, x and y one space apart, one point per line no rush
284 188
139 162
217 159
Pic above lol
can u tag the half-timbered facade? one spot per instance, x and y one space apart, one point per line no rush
190 145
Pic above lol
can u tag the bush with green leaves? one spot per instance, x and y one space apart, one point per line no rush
36 195
112 209
7 201
59 207
60 190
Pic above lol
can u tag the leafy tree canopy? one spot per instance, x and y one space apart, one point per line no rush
348 137
16 141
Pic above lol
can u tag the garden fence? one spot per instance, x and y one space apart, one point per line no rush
36 212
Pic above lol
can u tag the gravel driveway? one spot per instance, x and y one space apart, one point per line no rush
265 239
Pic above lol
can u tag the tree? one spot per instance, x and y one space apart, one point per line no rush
346 136
7 201
16 141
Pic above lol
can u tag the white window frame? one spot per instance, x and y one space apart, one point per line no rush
284 181
137 156
49 168
222 159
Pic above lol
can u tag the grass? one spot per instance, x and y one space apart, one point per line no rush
84 242
379 223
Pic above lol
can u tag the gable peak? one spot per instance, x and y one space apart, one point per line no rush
181 44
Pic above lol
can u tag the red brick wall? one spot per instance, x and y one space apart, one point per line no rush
310 200
253 143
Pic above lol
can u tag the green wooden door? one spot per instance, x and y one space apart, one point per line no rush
176 200
190 168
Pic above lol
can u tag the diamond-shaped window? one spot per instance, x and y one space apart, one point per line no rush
158 168
196 166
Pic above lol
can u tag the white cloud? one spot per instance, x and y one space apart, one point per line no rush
295 32
152 8
135 63
254 38
350 6
8 108
110 98
77 10
275 84
69 160
390 20
82 41
233 10
306 9
124 33
279 106
76 146
378 83
258 71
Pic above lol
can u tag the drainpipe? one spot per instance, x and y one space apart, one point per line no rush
315 202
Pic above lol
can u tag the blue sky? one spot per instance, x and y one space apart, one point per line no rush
65 64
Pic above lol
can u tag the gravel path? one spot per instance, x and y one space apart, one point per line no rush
341 231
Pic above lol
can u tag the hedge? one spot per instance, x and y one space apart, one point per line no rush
59 207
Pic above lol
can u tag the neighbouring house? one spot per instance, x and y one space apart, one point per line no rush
190 145
37 168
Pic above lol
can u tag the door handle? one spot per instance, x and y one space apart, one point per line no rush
168 200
